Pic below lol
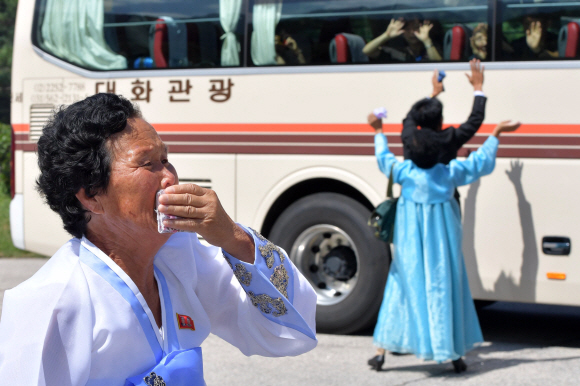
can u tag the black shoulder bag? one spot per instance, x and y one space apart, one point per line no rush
382 219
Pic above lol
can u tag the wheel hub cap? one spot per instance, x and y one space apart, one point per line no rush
328 258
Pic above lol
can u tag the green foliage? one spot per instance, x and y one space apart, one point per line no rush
7 20
5 150
7 249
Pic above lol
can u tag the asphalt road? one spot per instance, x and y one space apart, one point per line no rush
525 345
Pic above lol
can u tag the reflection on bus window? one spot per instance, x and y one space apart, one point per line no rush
321 32
539 30
136 34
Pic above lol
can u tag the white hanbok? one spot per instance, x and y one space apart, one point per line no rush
80 320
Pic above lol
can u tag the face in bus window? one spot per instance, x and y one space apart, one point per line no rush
287 50
538 41
411 26
478 41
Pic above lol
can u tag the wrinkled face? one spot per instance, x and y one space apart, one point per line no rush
139 168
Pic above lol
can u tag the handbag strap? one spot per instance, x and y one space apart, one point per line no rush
390 184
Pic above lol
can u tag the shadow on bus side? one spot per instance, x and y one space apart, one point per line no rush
524 289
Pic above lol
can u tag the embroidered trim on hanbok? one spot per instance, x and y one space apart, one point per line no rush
269 283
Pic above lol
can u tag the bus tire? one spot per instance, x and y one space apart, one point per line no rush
323 233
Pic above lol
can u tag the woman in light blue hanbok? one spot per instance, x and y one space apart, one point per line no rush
427 308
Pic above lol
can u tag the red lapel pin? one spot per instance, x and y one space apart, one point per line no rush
186 322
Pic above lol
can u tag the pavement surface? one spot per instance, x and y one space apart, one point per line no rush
525 345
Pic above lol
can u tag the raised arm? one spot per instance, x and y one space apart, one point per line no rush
482 161
265 307
385 158
409 124
468 129
423 36
535 39
271 311
372 48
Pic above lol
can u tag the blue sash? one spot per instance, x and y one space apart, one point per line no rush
176 368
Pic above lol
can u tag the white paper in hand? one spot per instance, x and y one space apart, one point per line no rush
380 112
162 216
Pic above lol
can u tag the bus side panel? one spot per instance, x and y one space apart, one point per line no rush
18 171
503 220
215 171
506 215
253 198
43 230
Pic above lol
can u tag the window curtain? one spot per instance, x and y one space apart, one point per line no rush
73 30
230 11
266 15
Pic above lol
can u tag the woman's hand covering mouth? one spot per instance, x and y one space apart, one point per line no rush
162 228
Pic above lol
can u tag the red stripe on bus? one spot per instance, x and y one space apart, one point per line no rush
331 139
265 127
545 128
329 149
20 127
273 138
21 136
341 128
355 139
340 150
326 128
26 147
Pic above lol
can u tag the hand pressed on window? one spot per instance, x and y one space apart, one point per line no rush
423 33
394 29
423 36
536 39
534 36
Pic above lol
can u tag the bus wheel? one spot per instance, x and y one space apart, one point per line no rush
327 237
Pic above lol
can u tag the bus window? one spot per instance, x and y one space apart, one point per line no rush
320 32
131 34
539 30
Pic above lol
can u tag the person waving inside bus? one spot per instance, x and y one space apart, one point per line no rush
404 41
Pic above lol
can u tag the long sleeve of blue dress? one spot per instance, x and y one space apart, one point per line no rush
479 163
385 158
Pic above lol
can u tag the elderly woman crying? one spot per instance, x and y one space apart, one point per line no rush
123 304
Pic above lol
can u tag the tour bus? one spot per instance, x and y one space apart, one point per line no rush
265 101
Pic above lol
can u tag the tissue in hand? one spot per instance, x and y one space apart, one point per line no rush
380 112
162 216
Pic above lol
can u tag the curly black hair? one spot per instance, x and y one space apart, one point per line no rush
73 154
424 149
428 113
